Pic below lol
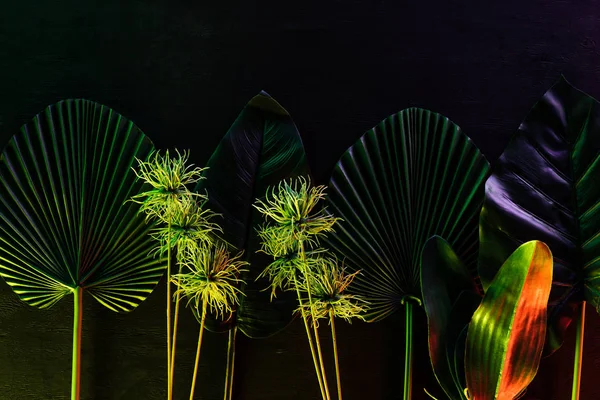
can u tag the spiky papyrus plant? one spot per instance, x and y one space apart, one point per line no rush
295 222
285 266
169 178
171 202
327 282
189 224
210 285
295 213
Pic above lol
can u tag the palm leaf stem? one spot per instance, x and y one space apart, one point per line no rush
408 356
335 353
76 367
198 349
578 354
230 364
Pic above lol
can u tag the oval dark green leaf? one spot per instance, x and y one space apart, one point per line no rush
261 148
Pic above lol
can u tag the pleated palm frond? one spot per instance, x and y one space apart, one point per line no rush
414 175
65 220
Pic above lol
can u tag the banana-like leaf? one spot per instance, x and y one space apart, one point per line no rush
506 336
65 224
450 296
545 187
414 175
261 148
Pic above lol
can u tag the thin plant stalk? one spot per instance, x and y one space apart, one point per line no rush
198 349
578 354
174 342
310 340
408 361
335 353
320 354
314 320
169 380
230 364
76 366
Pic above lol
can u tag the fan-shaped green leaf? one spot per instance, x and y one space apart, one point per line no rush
545 187
414 175
506 335
64 181
261 148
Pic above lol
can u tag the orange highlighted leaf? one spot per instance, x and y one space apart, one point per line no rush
506 335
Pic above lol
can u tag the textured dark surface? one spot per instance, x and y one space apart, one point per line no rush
182 70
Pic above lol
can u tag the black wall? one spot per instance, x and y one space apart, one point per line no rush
182 70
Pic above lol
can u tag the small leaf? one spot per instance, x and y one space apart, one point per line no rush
450 298
506 335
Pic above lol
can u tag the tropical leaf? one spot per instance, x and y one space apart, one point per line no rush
450 297
64 180
261 148
66 226
545 186
505 338
414 175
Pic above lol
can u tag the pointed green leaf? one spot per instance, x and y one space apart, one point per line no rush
545 187
506 336
414 175
64 182
449 297
261 148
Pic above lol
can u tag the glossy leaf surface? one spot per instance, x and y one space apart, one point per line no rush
414 175
545 187
506 336
64 183
449 297
261 148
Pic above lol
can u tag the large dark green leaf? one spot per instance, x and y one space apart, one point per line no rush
449 297
64 181
506 335
261 148
545 187
414 175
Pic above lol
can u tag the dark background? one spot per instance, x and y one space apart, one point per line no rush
182 71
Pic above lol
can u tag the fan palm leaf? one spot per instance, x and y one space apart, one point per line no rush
67 227
414 175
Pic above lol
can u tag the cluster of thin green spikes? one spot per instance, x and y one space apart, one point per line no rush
291 236
185 225
213 276
327 283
